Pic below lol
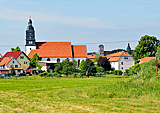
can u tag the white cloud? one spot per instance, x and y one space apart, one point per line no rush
54 17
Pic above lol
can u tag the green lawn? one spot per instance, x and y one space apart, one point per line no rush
69 95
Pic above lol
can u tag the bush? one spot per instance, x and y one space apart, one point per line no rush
44 74
117 72
55 74
107 72
100 71
74 75
126 73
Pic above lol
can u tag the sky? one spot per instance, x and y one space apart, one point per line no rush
113 23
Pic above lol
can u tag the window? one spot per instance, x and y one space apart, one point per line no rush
24 62
121 63
21 57
58 60
122 68
30 37
30 48
13 62
16 66
48 59
125 57
30 42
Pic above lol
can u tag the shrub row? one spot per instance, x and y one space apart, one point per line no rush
117 72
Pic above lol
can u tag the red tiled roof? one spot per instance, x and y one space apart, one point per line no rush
5 61
145 59
115 57
30 55
122 53
79 51
52 49
91 57
12 54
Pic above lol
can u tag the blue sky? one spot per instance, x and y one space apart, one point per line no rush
90 22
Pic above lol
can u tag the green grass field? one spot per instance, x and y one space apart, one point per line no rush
70 95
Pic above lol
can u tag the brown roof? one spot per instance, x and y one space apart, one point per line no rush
5 61
53 49
79 51
145 59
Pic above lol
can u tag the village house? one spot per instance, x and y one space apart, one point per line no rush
121 61
20 56
7 63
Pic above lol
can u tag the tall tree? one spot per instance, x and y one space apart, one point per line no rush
88 68
104 62
147 46
16 49
34 61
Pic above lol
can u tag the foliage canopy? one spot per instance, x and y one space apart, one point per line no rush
147 46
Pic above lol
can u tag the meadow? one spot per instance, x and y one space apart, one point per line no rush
95 94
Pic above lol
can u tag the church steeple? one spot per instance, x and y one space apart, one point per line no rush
129 49
30 38
30 34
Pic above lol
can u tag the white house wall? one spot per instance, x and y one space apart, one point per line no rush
127 63
29 48
114 65
55 58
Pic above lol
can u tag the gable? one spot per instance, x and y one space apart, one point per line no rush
5 60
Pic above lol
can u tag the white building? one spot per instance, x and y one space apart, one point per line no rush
121 61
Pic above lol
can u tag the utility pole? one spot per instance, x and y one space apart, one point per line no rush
156 66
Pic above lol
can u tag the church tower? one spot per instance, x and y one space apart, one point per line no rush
128 49
30 38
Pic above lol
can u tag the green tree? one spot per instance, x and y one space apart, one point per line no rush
147 47
88 68
66 67
16 49
34 62
12 71
158 54
97 58
80 66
